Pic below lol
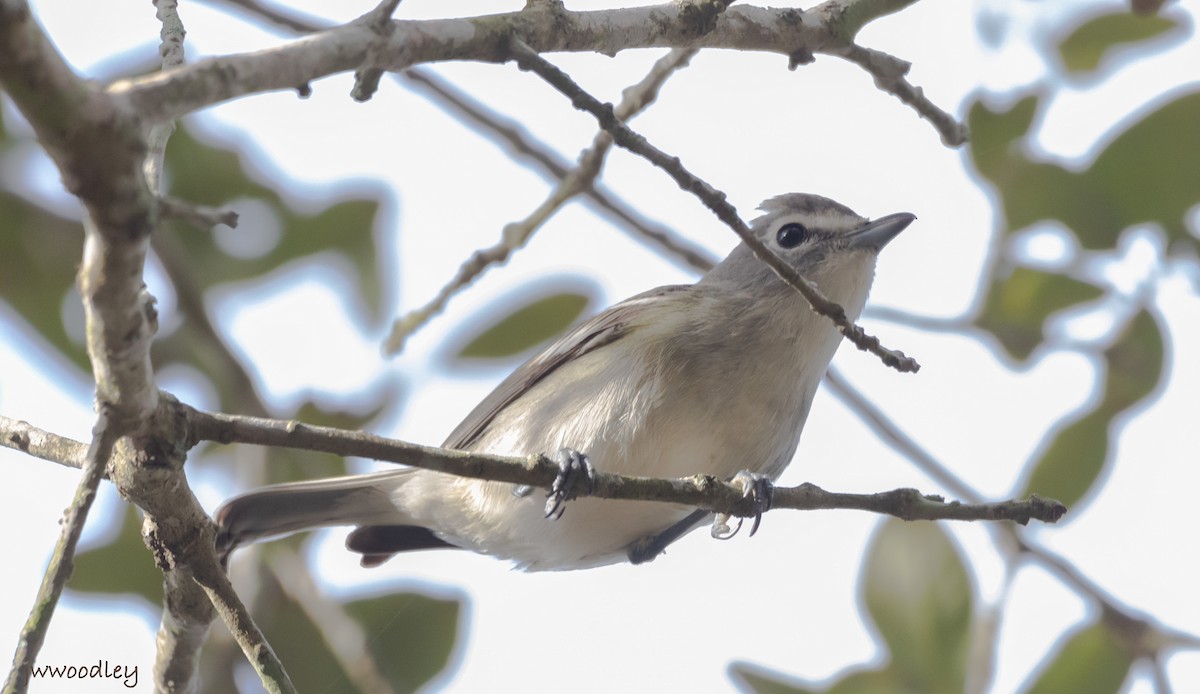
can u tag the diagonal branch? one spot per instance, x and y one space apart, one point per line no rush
891 434
571 184
62 561
715 200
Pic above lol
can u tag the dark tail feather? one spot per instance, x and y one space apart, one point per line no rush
287 508
378 543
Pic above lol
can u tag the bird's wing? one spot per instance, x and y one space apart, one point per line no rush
593 334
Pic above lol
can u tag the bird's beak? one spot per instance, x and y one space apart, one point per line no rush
876 234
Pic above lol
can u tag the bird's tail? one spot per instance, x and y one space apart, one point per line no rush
362 500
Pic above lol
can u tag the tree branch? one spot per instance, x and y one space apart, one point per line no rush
512 136
712 198
98 146
62 561
700 491
1008 538
571 184
39 443
545 27
210 577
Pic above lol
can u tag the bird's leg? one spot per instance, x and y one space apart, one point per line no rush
571 465
754 486
647 548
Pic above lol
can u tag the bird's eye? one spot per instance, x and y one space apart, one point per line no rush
791 235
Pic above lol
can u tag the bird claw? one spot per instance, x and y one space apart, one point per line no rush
754 486
571 465
720 528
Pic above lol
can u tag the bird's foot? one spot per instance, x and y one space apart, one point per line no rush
571 466
755 487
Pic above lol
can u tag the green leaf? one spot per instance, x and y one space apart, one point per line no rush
917 592
1073 461
1146 173
217 177
993 134
1135 363
754 678
1078 451
1089 660
526 327
39 251
411 636
299 643
1017 306
749 677
123 566
1085 48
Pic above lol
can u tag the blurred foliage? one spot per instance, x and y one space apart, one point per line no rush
1144 173
1147 173
1086 47
39 252
915 588
918 596
525 327
1079 445
1018 305
408 636
122 566
1091 660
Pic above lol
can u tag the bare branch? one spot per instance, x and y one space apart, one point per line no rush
712 198
546 27
530 150
1007 537
98 148
343 635
574 182
893 436
700 491
198 215
39 443
62 562
889 73
212 579
171 49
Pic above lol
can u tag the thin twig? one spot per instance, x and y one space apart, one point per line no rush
171 49
572 183
532 151
199 215
916 320
343 636
366 78
62 561
715 200
1006 536
889 73
893 436
262 657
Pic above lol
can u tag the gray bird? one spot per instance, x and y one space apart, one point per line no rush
714 378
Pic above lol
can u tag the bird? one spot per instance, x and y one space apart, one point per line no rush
713 378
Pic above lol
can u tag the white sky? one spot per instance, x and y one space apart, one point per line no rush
787 599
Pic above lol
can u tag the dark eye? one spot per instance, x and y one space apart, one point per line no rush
791 235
